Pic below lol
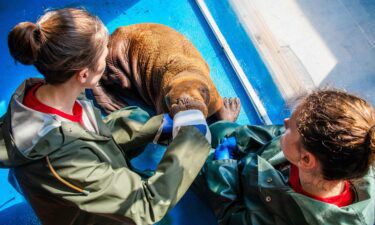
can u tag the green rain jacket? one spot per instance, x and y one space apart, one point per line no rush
74 176
254 189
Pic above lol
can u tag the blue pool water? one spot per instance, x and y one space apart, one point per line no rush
185 17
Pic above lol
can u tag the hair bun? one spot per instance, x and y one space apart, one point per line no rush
22 43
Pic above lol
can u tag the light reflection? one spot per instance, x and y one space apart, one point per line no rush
286 25
2 107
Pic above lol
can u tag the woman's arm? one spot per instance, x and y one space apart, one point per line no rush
132 128
122 194
224 177
226 196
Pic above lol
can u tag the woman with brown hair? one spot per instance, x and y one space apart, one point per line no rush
72 166
317 169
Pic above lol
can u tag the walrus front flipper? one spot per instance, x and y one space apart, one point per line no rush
230 110
106 101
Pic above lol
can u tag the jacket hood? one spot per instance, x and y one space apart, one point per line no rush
28 135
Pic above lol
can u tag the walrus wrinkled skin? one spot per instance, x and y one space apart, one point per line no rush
162 66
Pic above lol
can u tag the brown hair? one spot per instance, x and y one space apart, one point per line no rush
61 43
339 129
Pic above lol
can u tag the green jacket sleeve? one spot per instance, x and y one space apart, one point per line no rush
223 183
132 129
223 177
122 194
227 194
250 138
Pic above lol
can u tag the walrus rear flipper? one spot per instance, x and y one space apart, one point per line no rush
107 101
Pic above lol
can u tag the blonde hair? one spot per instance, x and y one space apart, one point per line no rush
60 43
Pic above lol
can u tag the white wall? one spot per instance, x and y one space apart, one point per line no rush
310 43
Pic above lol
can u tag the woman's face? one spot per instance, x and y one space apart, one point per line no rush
290 141
94 76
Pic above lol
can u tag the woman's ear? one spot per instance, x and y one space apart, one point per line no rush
82 75
307 160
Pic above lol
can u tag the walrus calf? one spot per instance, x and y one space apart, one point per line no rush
164 68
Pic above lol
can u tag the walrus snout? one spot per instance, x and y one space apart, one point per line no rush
183 94
185 103
184 99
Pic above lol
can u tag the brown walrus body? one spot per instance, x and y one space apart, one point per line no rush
164 68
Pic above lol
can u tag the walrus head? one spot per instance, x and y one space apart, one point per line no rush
183 94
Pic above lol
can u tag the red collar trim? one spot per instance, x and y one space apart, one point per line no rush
32 102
